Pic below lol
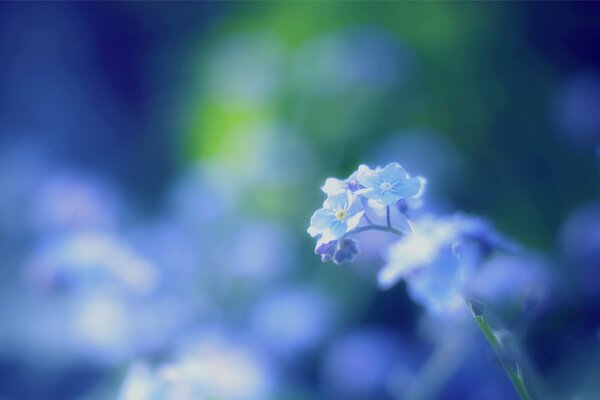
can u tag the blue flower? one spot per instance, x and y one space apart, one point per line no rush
340 214
418 250
334 186
389 184
440 259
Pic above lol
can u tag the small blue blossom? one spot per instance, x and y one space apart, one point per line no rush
340 214
389 184
439 259
334 186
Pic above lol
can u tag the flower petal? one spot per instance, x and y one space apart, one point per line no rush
334 186
322 219
367 177
312 231
407 187
338 229
353 221
370 193
336 201
393 172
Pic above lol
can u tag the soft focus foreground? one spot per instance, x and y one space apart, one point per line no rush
159 163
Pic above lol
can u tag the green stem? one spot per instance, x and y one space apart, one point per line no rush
514 374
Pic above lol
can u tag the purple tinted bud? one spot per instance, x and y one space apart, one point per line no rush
326 250
346 251
352 183
402 206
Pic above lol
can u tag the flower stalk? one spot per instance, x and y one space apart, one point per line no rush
513 370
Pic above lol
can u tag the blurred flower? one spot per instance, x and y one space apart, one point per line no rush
259 251
199 197
508 281
141 384
362 364
71 201
389 184
209 365
419 249
440 286
87 259
294 320
170 246
438 260
114 327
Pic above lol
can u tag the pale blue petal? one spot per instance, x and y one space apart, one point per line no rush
354 204
353 220
334 186
312 231
393 172
322 219
389 197
370 193
407 187
338 229
327 236
423 186
336 201
367 177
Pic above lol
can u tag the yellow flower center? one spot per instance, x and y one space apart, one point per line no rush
385 186
341 214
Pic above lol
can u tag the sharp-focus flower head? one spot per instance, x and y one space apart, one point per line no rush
388 184
368 199
340 214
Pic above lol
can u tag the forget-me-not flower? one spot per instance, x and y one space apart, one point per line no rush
340 214
335 186
389 184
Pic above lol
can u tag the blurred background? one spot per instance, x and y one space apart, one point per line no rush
159 163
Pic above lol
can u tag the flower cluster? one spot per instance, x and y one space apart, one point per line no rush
436 256
367 200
